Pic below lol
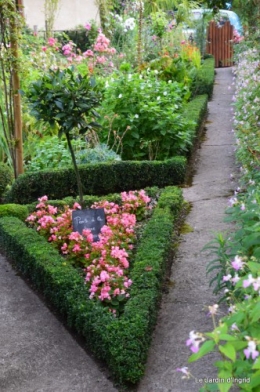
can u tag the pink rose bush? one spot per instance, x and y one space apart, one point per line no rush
104 263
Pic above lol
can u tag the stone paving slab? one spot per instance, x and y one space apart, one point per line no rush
184 308
37 353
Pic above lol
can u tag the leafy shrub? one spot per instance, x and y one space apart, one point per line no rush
6 177
53 153
99 153
145 114
17 210
203 83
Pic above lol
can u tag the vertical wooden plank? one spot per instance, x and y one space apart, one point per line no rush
215 48
224 43
221 46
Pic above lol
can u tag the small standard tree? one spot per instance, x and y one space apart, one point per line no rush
66 99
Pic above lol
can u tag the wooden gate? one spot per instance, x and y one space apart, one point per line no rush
219 43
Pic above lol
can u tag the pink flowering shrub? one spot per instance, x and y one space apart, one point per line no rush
104 263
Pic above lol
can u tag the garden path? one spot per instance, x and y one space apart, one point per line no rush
184 307
38 354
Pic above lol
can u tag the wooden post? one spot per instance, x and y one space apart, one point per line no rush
16 98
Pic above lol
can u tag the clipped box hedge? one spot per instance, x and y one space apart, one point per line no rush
121 342
97 179
17 210
196 110
204 82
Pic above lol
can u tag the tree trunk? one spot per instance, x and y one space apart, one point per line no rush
79 183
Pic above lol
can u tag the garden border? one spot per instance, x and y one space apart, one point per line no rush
122 342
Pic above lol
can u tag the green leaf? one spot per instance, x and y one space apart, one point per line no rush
229 351
255 313
225 336
256 365
255 380
206 347
227 384
254 267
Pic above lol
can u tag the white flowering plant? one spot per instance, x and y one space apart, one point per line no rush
147 116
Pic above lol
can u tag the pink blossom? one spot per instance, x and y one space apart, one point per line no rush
88 53
76 248
183 370
251 350
52 210
52 41
194 341
44 48
88 26
101 59
116 291
227 278
104 276
75 236
43 199
237 263
249 281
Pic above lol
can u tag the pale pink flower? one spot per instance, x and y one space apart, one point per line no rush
237 263
251 350
249 281
194 341
227 278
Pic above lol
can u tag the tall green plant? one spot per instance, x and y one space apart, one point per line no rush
50 10
10 22
65 99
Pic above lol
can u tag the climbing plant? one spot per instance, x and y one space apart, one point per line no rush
10 142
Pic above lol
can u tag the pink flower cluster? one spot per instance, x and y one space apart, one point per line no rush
237 37
135 202
101 54
51 43
106 261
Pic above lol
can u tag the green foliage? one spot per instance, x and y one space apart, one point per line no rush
81 37
98 179
196 110
6 177
99 153
159 23
122 342
53 153
21 212
10 22
65 98
146 115
172 68
203 83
